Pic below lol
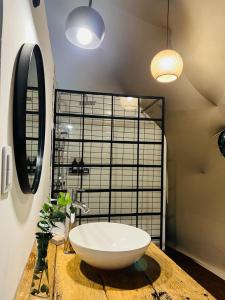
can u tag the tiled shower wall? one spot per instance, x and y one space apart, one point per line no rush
121 153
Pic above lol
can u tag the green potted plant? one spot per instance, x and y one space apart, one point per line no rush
49 215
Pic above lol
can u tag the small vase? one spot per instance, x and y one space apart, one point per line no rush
40 282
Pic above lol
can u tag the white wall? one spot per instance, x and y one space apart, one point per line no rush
18 212
196 209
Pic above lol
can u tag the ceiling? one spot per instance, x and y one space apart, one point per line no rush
135 31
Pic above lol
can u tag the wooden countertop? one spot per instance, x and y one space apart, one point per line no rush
154 277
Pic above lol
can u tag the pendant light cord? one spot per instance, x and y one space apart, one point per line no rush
168 15
90 3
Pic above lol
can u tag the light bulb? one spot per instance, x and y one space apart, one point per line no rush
70 127
85 27
84 36
167 66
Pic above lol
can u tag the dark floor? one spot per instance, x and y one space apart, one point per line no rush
211 282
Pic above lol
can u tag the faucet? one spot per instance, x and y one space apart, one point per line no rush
70 222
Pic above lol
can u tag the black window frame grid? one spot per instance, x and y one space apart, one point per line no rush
110 216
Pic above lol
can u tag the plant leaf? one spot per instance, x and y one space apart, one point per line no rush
64 199
68 198
43 225
47 206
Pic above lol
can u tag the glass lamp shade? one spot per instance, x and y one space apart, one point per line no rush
129 103
167 66
85 27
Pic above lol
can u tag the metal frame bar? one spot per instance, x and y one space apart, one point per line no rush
82 151
106 117
109 165
138 148
53 146
108 94
107 141
162 170
116 190
119 215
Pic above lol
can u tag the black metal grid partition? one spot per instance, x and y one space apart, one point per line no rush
114 154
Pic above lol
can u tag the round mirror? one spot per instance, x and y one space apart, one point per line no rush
29 117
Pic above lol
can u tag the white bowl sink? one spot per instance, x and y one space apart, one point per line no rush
109 245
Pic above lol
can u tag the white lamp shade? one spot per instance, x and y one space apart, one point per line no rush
129 103
85 27
167 66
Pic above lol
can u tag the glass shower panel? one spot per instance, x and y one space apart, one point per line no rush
149 202
125 131
149 178
112 152
150 132
123 202
120 111
97 129
100 105
124 178
96 153
150 154
125 153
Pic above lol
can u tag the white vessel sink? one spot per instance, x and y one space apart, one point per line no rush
109 245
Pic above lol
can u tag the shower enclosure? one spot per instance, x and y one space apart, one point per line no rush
114 153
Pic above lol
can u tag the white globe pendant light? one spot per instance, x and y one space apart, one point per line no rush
85 27
167 65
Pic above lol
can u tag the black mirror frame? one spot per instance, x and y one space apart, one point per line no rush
19 116
221 142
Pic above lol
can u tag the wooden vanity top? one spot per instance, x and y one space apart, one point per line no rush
154 277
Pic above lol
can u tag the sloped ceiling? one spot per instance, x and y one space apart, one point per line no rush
195 104
135 32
